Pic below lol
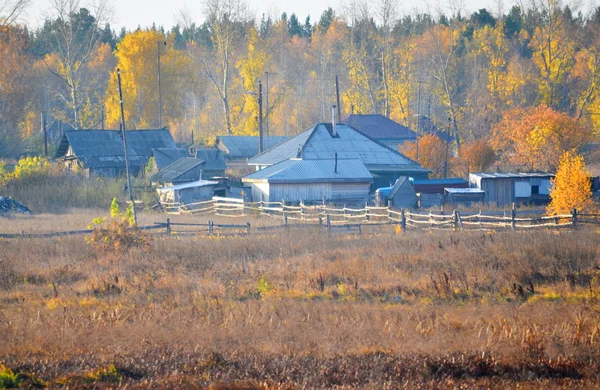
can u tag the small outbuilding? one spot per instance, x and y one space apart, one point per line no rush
184 170
503 189
295 180
463 196
242 147
187 193
400 195
163 157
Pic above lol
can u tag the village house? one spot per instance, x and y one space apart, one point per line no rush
214 163
503 189
295 180
324 140
164 157
381 129
101 152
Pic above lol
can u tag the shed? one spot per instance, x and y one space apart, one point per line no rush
401 194
101 152
464 196
503 189
164 157
214 162
238 147
437 186
381 129
293 180
184 170
187 193
324 140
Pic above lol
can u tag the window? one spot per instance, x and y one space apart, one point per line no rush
535 190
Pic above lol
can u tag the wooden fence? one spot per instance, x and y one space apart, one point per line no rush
368 215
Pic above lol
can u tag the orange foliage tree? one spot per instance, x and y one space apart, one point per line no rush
535 138
571 188
475 155
432 154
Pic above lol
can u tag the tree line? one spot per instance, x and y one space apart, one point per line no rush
521 87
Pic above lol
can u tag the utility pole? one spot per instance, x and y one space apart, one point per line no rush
159 86
337 96
124 133
102 117
260 118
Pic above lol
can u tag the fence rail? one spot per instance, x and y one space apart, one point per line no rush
333 219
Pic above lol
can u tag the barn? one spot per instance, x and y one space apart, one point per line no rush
295 180
101 152
503 189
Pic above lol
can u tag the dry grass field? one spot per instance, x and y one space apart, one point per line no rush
300 309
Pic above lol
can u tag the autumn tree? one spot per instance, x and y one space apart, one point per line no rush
227 23
137 58
74 36
476 155
535 138
571 188
11 10
433 153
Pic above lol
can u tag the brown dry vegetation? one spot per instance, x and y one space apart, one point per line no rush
306 309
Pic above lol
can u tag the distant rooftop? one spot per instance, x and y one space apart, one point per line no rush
379 127
508 175
243 147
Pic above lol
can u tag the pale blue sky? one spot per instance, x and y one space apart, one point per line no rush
131 13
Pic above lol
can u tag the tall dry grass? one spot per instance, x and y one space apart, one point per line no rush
307 309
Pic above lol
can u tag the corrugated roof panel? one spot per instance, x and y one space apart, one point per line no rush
178 168
295 171
247 146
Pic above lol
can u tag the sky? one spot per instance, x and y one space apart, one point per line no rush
134 13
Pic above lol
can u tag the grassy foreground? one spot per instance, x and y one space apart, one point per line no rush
303 309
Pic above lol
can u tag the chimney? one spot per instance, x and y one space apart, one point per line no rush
333 121
335 163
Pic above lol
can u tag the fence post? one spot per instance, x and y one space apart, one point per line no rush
248 227
210 227
168 225
513 215
285 219
328 223
389 207
367 211
402 220
455 219
574 218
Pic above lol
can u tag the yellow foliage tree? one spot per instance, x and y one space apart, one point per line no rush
137 58
571 187
251 68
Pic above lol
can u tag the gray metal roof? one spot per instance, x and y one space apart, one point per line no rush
177 169
318 143
213 158
401 182
519 175
464 191
104 147
312 171
165 157
380 127
242 147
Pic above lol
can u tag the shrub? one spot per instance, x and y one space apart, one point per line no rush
8 378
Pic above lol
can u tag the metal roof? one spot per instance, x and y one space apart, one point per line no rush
464 191
213 158
401 182
508 175
175 170
164 157
319 143
239 147
312 171
192 184
440 181
105 146
380 127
